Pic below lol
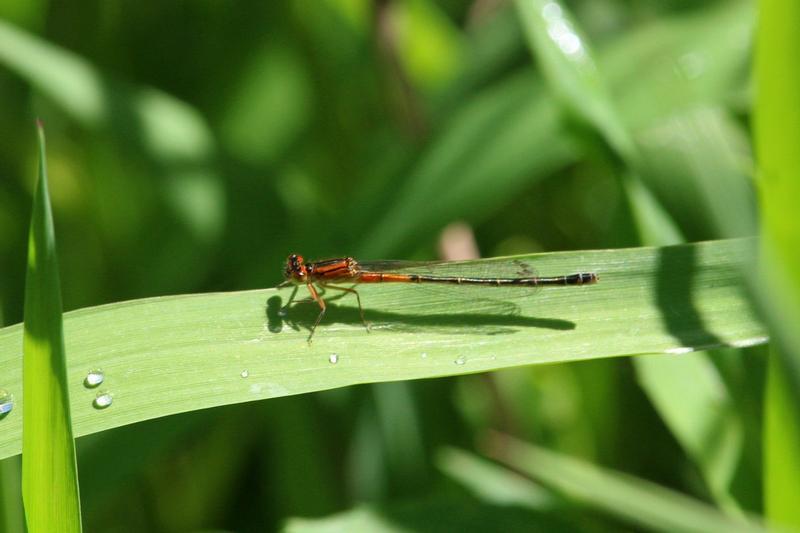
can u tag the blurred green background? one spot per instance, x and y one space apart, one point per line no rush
193 145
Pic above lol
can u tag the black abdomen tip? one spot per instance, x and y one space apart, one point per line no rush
580 279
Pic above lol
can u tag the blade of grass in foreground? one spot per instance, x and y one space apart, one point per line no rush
49 472
777 134
636 500
183 353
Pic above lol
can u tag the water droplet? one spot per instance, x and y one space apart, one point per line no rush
94 378
102 400
6 403
460 360
333 358
424 355
244 373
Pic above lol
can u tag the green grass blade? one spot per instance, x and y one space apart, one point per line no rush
492 483
695 404
49 472
636 500
777 136
781 445
563 54
182 353
565 57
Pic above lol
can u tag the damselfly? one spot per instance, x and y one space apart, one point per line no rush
328 274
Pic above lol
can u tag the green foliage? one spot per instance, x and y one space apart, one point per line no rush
49 472
634 500
194 145
777 134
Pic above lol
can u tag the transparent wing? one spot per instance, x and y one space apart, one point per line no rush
505 268
482 298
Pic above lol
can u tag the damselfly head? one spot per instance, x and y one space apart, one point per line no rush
295 269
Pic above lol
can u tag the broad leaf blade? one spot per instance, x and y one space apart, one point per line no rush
182 353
